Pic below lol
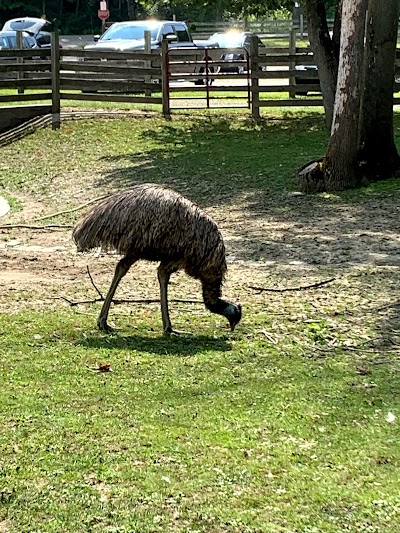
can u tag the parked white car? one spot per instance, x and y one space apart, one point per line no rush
32 26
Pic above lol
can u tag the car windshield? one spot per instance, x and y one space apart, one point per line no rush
130 31
227 40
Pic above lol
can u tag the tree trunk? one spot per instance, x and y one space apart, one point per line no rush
325 54
361 147
340 166
337 28
378 153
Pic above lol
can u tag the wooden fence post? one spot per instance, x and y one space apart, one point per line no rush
165 79
255 93
55 80
147 64
292 63
20 59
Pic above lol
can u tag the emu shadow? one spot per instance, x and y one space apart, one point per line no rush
182 345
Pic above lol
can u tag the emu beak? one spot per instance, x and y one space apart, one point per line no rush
233 323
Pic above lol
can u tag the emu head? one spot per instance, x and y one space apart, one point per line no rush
233 313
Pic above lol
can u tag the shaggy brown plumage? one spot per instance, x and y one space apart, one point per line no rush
155 223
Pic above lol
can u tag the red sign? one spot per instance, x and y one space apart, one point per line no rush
103 14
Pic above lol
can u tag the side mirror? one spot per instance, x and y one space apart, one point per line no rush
171 37
96 38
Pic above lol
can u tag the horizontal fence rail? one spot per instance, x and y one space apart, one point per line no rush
168 78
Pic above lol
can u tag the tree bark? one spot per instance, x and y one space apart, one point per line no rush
378 154
325 53
341 161
361 147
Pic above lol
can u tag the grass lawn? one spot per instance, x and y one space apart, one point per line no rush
290 424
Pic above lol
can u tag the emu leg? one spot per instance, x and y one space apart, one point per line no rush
120 270
164 274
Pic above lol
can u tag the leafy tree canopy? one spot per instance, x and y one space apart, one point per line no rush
80 16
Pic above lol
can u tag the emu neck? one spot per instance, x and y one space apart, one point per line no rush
212 297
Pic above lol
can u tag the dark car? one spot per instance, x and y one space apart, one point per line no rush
32 26
305 75
234 40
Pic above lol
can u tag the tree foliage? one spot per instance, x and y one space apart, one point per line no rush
80 16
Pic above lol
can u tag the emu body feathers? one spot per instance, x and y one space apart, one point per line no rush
155 223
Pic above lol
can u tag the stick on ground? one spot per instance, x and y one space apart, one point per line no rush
302 288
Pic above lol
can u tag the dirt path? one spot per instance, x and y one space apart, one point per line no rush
306 241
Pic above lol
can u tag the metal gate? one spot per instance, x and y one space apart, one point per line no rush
201 79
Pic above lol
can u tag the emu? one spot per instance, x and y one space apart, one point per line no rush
155 223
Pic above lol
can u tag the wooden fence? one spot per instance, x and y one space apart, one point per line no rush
169 79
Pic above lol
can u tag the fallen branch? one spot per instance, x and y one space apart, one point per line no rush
302 288
101 298
29 226
74 303
73 209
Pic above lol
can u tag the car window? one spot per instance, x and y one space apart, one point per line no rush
4 42
247 42
181 33
19 25
166 30
129 31
43 39
28 43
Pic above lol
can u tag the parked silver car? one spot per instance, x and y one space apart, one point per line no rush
33 27
127 36
8 39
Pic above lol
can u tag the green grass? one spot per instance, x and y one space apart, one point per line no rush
278 427
204 433
188 152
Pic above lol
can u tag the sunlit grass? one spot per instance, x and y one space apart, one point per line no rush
282 426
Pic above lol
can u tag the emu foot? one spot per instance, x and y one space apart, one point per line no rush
103 326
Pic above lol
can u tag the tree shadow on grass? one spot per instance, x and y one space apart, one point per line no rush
184 345
245 174
216 160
